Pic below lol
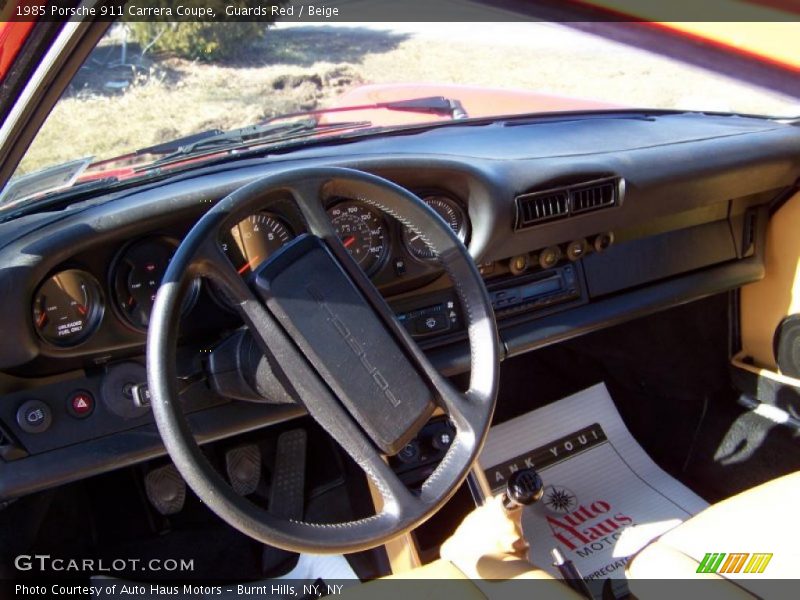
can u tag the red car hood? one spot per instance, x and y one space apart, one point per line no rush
476 101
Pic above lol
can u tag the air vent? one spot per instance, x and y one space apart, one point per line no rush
594 197
557 203
541 207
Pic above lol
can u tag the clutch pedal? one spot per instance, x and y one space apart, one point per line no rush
165 489
243 465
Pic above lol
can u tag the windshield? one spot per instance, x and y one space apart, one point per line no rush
148 83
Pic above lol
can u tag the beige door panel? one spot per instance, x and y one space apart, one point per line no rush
766 303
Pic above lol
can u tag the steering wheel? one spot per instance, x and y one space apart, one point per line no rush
337 347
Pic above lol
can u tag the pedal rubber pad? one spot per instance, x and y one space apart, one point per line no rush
243 465
287 494
165 489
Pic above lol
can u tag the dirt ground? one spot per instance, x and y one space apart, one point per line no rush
299 68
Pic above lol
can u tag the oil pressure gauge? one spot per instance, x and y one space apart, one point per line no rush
136 276
67 307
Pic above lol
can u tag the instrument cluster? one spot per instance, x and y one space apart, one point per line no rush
70 305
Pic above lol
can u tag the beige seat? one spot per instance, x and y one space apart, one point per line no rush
445 580
477 561
760 520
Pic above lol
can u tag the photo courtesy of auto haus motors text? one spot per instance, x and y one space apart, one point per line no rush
134 590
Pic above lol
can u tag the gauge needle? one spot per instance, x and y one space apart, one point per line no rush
41 320
248 265
81 309
348 241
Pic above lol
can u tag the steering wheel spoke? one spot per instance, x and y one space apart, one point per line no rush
309 197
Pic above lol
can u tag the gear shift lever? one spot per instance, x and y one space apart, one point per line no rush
523 488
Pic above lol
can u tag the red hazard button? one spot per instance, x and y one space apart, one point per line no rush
80 404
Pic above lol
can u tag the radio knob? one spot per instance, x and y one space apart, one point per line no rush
518 264
576 249
603 241
549 257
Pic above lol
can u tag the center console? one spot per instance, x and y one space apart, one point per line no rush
435 318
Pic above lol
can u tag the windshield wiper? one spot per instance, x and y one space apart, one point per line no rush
175 145
279 129
433 105
245 137
249 133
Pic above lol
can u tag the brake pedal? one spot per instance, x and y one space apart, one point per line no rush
165 489
287 493
243 465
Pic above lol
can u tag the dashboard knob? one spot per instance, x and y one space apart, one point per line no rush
518 264
576 249
442 439
409 453
549 257
34 416
603 241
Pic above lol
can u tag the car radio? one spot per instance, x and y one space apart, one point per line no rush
538 290
438 313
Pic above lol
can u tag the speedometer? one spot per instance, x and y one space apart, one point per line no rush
450 212
363 232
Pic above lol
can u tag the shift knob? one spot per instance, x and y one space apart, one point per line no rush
524 487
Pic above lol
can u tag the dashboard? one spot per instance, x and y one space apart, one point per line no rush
75 302
575 222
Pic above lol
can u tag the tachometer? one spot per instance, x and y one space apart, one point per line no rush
452 214
136 275
252 241
363 232
67 307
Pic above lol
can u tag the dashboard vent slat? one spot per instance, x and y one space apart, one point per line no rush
595 197
558 203
538 208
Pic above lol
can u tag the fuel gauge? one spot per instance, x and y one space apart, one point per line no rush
67 307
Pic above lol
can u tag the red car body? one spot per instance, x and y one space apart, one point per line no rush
771 43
